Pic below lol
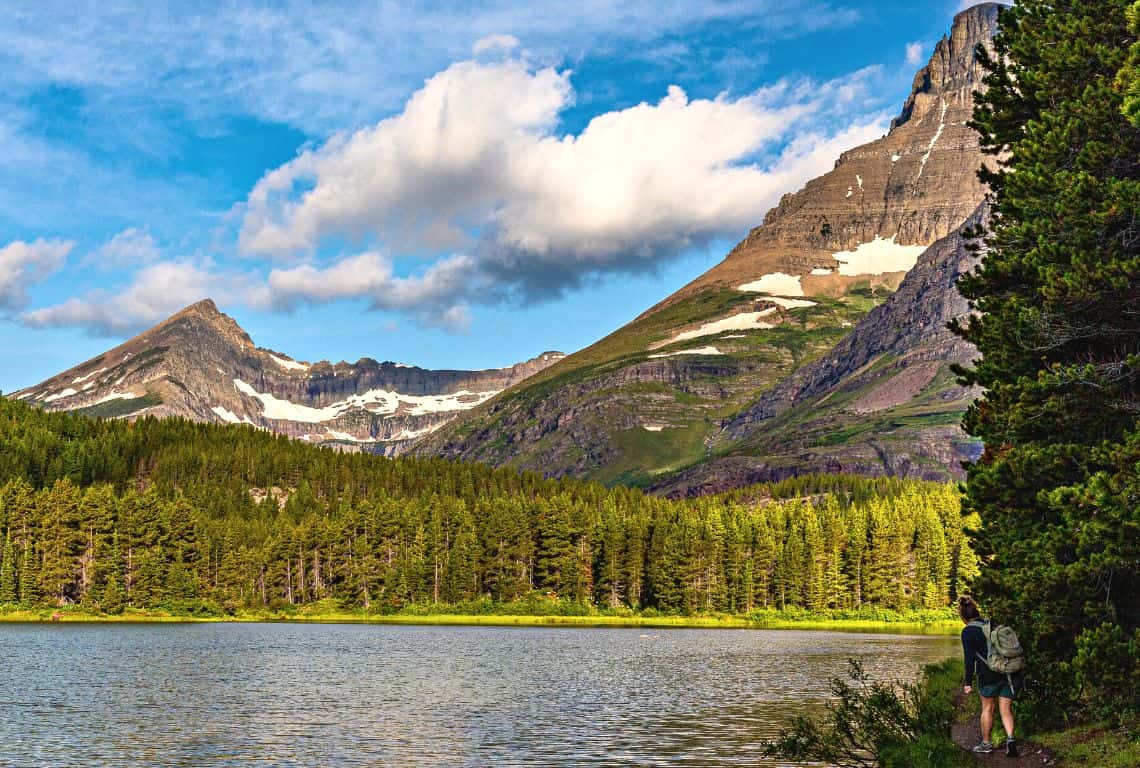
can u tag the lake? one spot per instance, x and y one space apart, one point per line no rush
372 695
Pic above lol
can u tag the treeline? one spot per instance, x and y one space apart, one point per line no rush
171 513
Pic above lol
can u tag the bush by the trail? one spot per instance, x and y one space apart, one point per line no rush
880 724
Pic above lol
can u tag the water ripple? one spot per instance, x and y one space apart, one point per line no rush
107 696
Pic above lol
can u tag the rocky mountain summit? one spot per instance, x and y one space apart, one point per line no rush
201 365
694 379
884 201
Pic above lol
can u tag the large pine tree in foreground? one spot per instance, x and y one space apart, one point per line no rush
1058 328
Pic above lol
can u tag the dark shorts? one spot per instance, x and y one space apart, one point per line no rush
1005 687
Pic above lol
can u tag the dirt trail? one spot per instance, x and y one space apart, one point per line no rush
966 733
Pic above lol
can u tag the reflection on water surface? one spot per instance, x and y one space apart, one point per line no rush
359 695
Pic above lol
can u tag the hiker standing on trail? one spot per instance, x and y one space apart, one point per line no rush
997 689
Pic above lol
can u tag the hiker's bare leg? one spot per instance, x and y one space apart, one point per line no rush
1006 715
988 705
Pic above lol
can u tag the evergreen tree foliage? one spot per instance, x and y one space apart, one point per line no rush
8 590
1058 328
29 577
197 517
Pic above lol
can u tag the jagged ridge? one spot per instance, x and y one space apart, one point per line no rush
200 364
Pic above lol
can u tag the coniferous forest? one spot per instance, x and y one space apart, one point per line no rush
171 514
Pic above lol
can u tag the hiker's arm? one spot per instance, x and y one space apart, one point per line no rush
969 660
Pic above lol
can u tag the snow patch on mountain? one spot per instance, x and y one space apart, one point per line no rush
697 351
745 321
230 417
933 141
380 401
289 365
776 283
116 396
88 376
60 395
346 437
877 257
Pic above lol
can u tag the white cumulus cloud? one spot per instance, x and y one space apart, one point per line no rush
129 248
156 292
23 264
435 297
475 163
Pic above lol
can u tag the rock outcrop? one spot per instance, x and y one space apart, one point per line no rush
201 365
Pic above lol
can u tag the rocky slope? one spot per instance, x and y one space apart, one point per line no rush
884 400
679 385
201 365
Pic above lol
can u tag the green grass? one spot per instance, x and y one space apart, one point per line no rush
1085 746
643 452
1094 746
114 409
328 613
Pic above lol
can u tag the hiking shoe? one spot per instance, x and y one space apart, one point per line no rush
984 748
1011 748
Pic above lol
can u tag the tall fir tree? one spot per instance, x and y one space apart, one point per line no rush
8 590
1059 334
29 577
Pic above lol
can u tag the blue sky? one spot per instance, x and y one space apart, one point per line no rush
449 185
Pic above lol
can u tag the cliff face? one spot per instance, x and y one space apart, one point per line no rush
688 381
199 364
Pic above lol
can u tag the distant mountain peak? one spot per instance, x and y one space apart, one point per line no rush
200 364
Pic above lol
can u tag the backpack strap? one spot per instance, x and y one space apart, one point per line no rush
984 625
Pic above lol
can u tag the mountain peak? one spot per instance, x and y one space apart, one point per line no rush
205 307
197 317
954 65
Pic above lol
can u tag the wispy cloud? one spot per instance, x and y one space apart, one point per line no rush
154 293
914 53
339 64
130 248
22 264
434 298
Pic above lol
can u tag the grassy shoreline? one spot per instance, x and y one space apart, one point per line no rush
768 620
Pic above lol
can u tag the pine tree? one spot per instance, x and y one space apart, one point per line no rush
8 592
1059 336
29 577
114 594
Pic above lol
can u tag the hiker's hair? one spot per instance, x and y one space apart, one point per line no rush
968 609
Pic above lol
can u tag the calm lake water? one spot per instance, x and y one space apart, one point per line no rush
355 695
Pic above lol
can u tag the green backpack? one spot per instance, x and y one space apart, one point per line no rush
1006 655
